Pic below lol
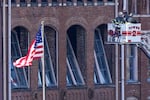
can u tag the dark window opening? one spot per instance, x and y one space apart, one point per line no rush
19 46
75 56
102 73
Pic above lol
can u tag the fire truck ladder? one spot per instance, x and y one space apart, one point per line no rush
145 44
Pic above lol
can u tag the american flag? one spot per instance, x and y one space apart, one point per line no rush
35 51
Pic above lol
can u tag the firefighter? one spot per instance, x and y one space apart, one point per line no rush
130 19
119 20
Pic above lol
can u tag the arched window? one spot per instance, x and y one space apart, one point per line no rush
101 68
75 56
19 46
50 56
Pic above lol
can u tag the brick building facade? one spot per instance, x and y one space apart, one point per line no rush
80 65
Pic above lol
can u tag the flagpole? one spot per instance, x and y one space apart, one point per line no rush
43 65
4 53
116 57
9 45
122 60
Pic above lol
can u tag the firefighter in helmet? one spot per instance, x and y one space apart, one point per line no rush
119 20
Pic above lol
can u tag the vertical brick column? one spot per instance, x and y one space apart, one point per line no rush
33 83
62 66
90 62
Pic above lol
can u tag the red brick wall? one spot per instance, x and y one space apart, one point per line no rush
61 18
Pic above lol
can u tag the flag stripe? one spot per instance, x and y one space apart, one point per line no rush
35 51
